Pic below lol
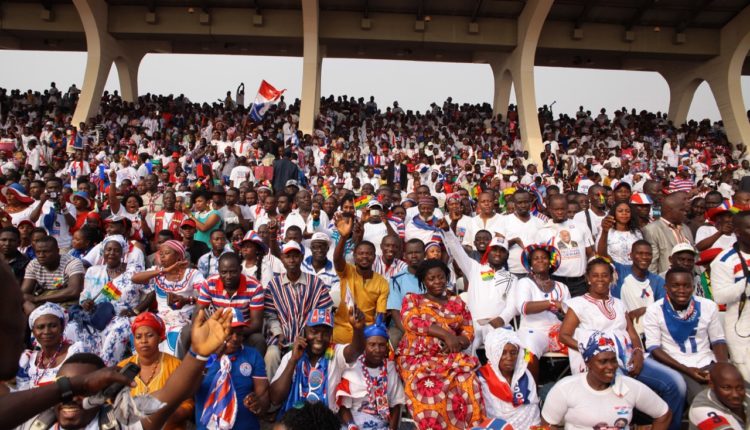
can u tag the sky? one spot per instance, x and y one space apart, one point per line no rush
413 84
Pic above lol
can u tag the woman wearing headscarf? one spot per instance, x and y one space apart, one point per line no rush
370 394
176 287
39 366
156 367
602 397
508 388
17 204
439 378
539 300
109 297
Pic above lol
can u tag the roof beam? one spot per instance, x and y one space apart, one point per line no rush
583 16
477 8
366 9
638 15
693 14
420 10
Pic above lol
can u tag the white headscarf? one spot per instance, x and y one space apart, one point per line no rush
494 344
47 309
118 238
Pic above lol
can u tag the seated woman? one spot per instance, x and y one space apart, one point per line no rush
370 394
176 287
438 376
598 311
156 367
107 289
312 370
539 299
601 397
508 388
38 367
240 370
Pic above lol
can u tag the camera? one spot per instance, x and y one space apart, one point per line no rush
53 195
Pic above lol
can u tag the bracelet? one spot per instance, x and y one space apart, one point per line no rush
197 357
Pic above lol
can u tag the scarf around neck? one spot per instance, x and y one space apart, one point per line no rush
682 328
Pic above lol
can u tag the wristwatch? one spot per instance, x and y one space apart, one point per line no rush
66 389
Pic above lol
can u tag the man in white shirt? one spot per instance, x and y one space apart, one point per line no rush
126 172
684 332
519 230
486 219
593 216
574 242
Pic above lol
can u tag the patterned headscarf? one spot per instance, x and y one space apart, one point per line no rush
597 343
176 246
47 309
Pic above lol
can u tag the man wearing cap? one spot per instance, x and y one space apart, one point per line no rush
359 283
422 225
318 264
376 225
719 233
422 191
490 283
574 242
312 370
288 298
195 248
668 231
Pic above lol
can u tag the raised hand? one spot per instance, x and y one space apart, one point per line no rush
344 226
207 335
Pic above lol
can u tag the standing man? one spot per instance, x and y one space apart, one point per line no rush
668 231
396 173
574 242
284 170
367 289
486 219
593 216
318 264
729 278
519 230
402 284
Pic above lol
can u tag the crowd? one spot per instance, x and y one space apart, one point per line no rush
391 267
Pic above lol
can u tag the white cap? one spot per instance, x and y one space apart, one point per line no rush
320 237
374 203
683 247
291 246
498 241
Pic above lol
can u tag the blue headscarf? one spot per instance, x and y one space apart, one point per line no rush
378 328
597 343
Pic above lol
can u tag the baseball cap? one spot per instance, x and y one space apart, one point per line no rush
291 246
498 241
374 203
238 318
320 237
320 317
683 247
292 183
188 223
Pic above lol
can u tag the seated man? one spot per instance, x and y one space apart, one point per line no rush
724 405
52 277
312 370
684 332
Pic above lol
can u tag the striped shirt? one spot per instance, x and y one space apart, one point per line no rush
248 297
288 303
380 267
680 185
56 279
327 274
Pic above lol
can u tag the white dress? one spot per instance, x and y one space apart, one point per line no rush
536 330
608 316
30 376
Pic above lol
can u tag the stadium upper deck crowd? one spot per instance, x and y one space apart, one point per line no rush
389 260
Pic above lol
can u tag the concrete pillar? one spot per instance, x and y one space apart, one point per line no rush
127 71
681 93
311 66
503 86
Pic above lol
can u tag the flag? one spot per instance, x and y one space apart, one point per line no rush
361 202
111 292
474 191
220 410
267 95
326 190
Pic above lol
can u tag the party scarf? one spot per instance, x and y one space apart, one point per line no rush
300 383
517 397
682 329
220 410
422 225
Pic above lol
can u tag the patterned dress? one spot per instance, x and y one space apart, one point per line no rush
442 391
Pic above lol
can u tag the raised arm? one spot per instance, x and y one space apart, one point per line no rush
454 248
344 226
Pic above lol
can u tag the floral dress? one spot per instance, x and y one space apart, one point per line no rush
442 391
110 344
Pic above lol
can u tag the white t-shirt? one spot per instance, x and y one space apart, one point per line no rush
698 351
596 221
572 239
574 402
527 291
375 232
476 224
636 294
463 226
60 229
584 185
335 369
511 228
724 242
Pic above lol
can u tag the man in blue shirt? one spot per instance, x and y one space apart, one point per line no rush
247 377
402 284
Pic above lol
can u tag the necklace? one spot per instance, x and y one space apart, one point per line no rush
114 273
153 372
377 388
50 363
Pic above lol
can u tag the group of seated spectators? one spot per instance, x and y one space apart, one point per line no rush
391 268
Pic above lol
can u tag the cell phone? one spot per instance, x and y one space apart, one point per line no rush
130 371
374 212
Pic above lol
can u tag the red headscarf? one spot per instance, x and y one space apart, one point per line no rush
147 319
